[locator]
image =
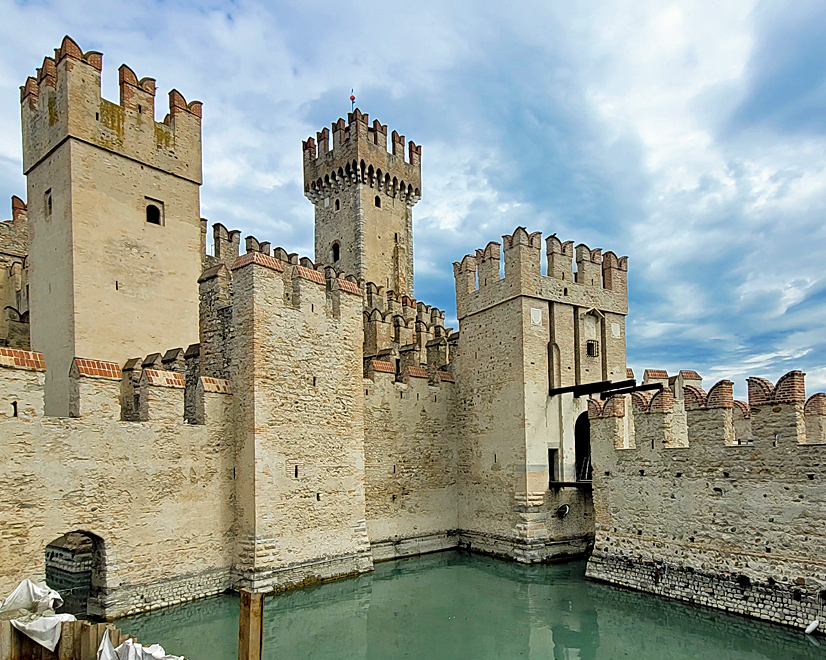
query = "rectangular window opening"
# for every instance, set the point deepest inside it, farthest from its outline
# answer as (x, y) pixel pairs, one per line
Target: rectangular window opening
(592, 348)
(553, 464)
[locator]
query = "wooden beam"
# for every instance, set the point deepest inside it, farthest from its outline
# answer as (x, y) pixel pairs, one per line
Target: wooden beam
(251, 626)
(629, 390)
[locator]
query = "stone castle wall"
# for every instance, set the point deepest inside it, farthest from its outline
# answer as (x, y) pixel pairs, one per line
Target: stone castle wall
(410, 463)
(93, 170)
(14, 298)
(687, 509)
(326, 419)
(523, 333)
(297, 373)
(363, 195)
(157, 494)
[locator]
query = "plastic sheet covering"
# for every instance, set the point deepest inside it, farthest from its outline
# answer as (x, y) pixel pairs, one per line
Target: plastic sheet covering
(131, 650)
(30, 607)
(35, 597)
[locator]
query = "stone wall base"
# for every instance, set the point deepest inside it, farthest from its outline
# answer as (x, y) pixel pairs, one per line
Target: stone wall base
(782, 603)
(132, 599)
(414, 545)
(304, 573)
(526, 551)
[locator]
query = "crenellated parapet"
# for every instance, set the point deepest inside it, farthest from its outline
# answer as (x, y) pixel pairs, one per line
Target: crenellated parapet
(482, 280)
(777, 412)
(777, 416)
(14, 233)
(730, 512)
(226, 244)
(358, 154)
(64, 101)
(22, 375)
(89, 471)
(404, 330)
(14, 277)
(157, 388)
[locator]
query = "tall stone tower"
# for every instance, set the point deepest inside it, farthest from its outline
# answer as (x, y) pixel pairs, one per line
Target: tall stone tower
(364, 197)
(114, 217)
(523, 336)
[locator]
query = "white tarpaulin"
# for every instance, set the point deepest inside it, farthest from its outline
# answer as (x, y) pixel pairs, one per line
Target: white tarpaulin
(45, 630)
(131, 650)
(35, 603)
(36, 597)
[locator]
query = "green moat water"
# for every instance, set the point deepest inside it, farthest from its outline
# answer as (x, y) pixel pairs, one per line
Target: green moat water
(452, 606)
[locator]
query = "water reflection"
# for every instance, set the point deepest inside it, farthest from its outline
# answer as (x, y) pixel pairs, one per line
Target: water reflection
(453, 606)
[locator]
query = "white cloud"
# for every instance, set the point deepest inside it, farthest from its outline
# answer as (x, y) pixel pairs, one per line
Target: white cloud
(611, 123)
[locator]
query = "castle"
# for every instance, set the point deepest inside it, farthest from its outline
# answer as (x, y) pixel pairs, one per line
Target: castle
(175, 423)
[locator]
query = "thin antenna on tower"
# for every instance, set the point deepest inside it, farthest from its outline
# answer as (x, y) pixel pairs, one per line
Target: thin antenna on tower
(352, 100)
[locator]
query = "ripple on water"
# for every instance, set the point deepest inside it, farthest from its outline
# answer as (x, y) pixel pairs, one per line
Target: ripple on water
(452, 606)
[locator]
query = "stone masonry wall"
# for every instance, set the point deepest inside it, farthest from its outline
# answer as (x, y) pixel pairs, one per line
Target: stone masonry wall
(14, 247)
(375, 187)
(297, 376)
(410, 465)
(522, 334)
(703, 519)
(156, 495)
(98, 262)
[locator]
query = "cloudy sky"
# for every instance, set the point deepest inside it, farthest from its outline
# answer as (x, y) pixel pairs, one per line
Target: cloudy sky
(690, 136)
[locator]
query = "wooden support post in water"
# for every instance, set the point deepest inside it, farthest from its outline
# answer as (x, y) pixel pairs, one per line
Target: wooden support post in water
(251, 626)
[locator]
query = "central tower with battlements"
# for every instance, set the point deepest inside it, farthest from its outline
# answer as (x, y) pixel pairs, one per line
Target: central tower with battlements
(364, 196)
(114, 216)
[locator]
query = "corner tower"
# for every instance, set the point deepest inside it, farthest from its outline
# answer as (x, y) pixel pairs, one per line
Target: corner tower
(522, 337)
(364, 196)
(114, 216)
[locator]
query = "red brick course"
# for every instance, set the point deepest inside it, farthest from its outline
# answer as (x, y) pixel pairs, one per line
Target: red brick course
(98, 368)
(19, 359)
(655, 373)
(215, 385)
(816, 405)
(164, 378)
(791, 388)
(380, 365)
(721, 395)
(260, 259)
(310, 274)
(446, 376)
(349, 287)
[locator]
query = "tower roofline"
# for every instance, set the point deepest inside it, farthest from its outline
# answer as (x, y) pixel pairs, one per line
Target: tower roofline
(359, 151)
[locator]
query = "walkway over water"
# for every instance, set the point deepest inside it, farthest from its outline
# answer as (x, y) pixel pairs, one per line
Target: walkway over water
(452, 606)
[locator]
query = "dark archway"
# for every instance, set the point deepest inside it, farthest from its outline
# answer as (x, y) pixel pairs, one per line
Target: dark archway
(76, 569)
(582, 448)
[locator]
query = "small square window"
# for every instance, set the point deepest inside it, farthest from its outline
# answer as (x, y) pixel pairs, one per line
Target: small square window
(154, 212)
(592, 348)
